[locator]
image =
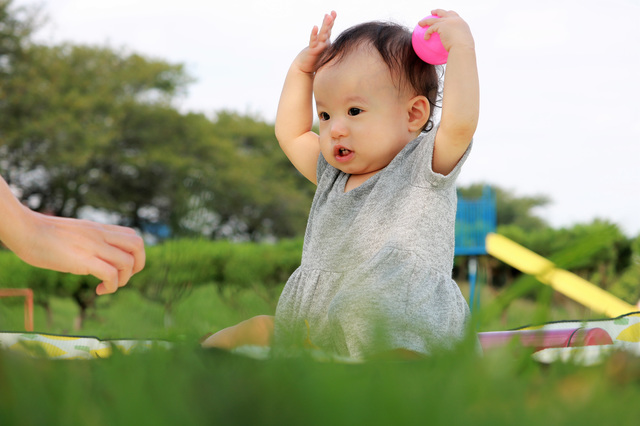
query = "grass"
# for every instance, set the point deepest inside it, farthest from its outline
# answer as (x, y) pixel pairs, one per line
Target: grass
(190, 386)
(126, 314)
(208, 308)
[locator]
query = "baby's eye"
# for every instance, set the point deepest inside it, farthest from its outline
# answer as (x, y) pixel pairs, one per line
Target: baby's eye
(323, 116)
(354, 111)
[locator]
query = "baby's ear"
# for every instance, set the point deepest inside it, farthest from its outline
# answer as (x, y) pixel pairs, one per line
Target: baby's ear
(418, 109)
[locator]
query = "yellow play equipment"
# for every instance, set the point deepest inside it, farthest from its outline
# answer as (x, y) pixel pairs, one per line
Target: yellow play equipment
(545, 271)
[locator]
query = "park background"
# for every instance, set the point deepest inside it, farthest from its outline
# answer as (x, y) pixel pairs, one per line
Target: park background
(101, 123)
(115, 129)
(558, 79)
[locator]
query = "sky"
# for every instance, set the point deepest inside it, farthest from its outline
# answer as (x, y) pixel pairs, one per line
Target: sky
(559, 79)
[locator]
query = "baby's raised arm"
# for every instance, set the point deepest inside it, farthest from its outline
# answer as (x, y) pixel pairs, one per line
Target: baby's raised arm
(460, 101)
(294, 119)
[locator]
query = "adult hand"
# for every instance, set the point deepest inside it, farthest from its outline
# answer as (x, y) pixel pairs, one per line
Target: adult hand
(110, 253)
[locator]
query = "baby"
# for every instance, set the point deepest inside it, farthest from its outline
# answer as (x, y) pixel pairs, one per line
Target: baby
(378, 251)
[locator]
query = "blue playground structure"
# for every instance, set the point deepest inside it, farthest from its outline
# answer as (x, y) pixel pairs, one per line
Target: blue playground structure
(475, 218)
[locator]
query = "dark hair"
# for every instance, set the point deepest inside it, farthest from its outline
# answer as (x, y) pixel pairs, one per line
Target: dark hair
(393, 42)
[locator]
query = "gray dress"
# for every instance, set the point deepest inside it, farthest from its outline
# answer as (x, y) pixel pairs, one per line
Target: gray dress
(377, 261)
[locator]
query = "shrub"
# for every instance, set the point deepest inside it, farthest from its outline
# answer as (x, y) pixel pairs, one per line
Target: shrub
(197, 261)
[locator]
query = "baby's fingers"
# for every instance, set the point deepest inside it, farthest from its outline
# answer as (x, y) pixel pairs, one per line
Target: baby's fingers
(327, 25)
(434, 28)
(427, 21)
(324, 33)
(314, 36)
(438, 14)
(444, 13)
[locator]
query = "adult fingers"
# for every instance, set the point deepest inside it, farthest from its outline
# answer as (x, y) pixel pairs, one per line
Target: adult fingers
(105, 272)
(118, 228)
(122, 260)
(131, 244)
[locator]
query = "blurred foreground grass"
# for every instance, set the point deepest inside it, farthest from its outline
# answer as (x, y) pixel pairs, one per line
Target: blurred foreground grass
(190, 386)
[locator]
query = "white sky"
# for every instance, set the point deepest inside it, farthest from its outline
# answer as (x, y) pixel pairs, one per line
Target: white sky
(560, 90)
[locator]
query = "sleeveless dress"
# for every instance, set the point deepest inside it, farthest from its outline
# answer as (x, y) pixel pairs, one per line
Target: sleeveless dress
(377, 262)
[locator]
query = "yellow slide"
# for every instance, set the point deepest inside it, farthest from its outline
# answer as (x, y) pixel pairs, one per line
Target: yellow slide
(567, 283)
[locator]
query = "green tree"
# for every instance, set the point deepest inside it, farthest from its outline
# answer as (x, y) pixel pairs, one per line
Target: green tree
(258, 192)
(90, 126)
(149, 169)
(62, 117)
(16, 27)
(627, 286)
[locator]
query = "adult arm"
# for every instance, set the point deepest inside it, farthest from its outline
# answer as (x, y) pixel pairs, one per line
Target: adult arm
(110, 253)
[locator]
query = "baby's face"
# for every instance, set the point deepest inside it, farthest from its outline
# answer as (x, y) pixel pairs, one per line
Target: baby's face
(363, 114)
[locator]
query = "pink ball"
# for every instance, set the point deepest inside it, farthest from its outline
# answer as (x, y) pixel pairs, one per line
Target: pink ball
(431, 51)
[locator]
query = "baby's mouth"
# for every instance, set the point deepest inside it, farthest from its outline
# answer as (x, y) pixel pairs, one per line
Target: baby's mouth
(343, 152)
(340, 151)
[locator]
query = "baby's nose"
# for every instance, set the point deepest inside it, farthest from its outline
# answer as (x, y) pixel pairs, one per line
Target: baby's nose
(338, 129)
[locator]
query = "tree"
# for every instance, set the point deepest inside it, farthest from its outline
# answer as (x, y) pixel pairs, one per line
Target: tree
(146, 172)
(90, 126)
(62, 118)
(257, 193)
(16, 27)
(627, 286)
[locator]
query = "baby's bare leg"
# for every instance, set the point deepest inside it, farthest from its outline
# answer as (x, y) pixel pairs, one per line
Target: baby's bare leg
(254, 331)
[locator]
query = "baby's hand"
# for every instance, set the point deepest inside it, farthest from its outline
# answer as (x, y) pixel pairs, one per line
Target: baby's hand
(453, 30)
(318, 42)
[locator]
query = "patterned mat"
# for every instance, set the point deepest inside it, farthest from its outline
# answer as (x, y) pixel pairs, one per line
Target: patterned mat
(623, 330)
(71, 347)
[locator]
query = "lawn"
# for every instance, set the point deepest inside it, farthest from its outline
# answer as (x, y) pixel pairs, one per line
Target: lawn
(187, 385)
